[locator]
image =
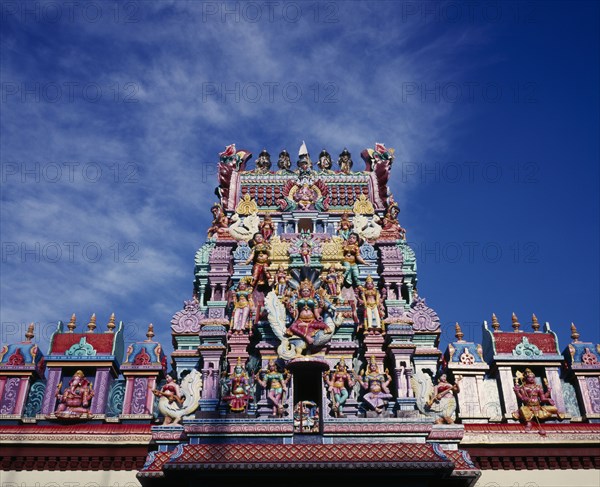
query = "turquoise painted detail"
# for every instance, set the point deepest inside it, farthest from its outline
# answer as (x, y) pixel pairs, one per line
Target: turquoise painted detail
(81, 349)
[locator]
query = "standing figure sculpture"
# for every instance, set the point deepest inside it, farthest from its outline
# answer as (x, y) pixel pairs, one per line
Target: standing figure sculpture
(260, 257)
(275, 384)
(267, 227)
(305, 253)
(345, 227)
(238, 389)
(352, 257)
(377, 386)
(339, 381)
(75, 400)
(536, 403)
(243, 306)
(333, 280)
(307, 316)
(370, 298)
(442, 402)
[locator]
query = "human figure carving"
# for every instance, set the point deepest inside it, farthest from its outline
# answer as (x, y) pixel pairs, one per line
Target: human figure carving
(339, 381)
(275, 383)
(442, 402)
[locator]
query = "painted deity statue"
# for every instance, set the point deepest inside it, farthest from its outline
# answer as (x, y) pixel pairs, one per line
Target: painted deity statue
(333, 281)
(345, 226)
(339, 381)
(307, 316)
(275, 383)
(75, 400)
(325, 163)
(280, 283)
(345, 162)
(177, 401)
(267, 227)
(284, 163)
(377, 386)
(171, 391)
(305, 253)
(442, 402)
(238, 389)
(390, 221)
(263, 163)
(370, 298)
(352, 257)
(220, 221)
(536, 403)
(243, 306)
(260, 257)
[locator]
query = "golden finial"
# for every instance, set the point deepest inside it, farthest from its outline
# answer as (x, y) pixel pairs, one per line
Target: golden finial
(29, 333)
(495, 323)
(150, 332)
(535, 323)
(515, 323)
(71, 326)
(459, 334)
(111, 324)
(574, 333)
(92, 324)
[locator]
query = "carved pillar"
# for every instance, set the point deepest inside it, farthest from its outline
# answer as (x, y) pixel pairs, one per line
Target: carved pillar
(509, 398)
(101, 389)
(49, 403)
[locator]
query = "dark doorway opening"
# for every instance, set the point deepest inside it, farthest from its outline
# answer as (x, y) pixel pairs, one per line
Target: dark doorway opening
(308, 393)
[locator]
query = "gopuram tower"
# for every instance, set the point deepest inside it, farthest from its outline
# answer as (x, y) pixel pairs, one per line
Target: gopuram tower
(306, 324)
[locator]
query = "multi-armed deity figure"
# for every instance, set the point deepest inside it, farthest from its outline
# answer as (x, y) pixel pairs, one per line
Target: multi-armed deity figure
(243, 306)
(339, 381)
(307, 306)
(238, 389)
(275, 383)
(377, 386)
(370, 298)
(535, 402)
(442, 402)
(75, 400)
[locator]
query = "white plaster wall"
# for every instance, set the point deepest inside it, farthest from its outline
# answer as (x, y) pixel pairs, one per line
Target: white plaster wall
(539, 478)
(88, 478)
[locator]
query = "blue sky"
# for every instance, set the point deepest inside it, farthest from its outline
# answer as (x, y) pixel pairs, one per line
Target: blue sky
(113, 115)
